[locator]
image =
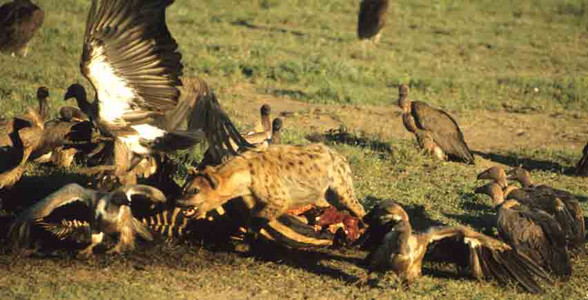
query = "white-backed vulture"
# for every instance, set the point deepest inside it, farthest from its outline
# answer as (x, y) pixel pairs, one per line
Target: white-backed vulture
(402, 251)
(19, 21)
(133, 64)
(562, 204)
(110, 213)
(436, 131)
(531, 231)
(371, 19)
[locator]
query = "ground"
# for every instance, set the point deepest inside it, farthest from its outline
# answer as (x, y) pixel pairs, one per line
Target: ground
(511, 73)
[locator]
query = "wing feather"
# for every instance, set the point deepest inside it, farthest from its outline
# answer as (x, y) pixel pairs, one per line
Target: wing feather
(444, 129)
(21, 227)
(493, 259)
(130, 58)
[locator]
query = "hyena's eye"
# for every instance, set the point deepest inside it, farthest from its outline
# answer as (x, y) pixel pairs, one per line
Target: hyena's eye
(193, 191)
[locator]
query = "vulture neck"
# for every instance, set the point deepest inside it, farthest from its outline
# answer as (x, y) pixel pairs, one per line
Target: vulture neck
(83, 103)
(404, 103)
(43, 108)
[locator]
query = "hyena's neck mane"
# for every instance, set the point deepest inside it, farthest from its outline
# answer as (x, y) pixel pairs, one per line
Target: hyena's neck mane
(235, 177)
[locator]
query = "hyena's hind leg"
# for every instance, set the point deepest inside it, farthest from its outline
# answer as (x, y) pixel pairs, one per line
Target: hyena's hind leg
(340, 192)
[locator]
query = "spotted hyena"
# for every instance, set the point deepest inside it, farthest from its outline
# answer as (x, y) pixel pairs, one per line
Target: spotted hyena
(275, 180)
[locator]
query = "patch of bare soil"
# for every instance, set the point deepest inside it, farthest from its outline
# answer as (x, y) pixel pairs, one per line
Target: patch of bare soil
(484, 130)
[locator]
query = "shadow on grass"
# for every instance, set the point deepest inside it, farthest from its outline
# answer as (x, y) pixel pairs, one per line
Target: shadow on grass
(527, 163)
(342, 136)
(249, 25)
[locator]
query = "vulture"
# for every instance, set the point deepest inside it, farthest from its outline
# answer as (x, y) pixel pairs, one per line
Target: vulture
(582, 165)
(8, 126)
(436, 131)
(402, 251)
(371, 19)
(531, 231)
(277, 124)
(19, 21)
(270, 134)
(134, 67)
(14, 156)
(110, 213)
(561, 204)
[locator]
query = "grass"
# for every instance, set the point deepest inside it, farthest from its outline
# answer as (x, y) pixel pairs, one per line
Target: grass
(465, 56)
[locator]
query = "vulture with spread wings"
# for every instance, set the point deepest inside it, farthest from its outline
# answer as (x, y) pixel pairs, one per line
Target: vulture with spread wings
(436, 131)
(133, 64)
(19, 21)
(403, 251)
(110, 213)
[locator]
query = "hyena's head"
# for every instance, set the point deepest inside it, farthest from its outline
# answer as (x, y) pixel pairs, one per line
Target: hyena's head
(201, 193)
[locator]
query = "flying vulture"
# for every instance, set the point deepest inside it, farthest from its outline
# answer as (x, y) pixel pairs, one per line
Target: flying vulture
(133, 65)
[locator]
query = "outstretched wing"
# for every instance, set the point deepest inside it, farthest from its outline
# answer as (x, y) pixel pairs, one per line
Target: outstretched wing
(131, 59)
(490, 258)
(444, 129)
(208, 117)
(372, 17)
(21, 227)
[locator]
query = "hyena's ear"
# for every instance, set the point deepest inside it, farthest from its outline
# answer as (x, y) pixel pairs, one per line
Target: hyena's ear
(210, 175)
(192, 171)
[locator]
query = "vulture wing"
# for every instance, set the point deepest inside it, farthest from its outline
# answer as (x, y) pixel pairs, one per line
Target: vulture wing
(444, 129)
(21, 227)
(131, 60)
(223, 138)
(490, 258)
(372, 18)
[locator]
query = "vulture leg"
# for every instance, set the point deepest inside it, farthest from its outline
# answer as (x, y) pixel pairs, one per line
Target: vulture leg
(96, 240)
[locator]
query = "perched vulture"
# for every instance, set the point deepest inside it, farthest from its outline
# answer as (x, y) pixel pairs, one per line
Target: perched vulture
(531, 231)
(277, 124)
(110, 213)
(436, 131)
(561, 204)
(371, 19)
(14, 155)
(403, 251)
(8, 126)
(133, 64)
(582, 165)
(19, 20)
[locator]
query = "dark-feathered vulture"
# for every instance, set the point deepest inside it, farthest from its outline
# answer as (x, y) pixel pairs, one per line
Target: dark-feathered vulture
(559, 203)
(436, 131)
(582, 165)
(133, 64)
(531, 231)
(371, 19)
(110, 213)
(19, 20)
(403, 251)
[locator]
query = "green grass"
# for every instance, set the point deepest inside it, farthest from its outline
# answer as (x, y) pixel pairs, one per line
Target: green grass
(465, 56)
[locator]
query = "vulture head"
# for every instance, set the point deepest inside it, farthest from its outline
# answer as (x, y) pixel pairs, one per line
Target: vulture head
(42, 95)
(494, 191)
(384, 212)
(496, 174)
(521, 175)
(78, 92)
